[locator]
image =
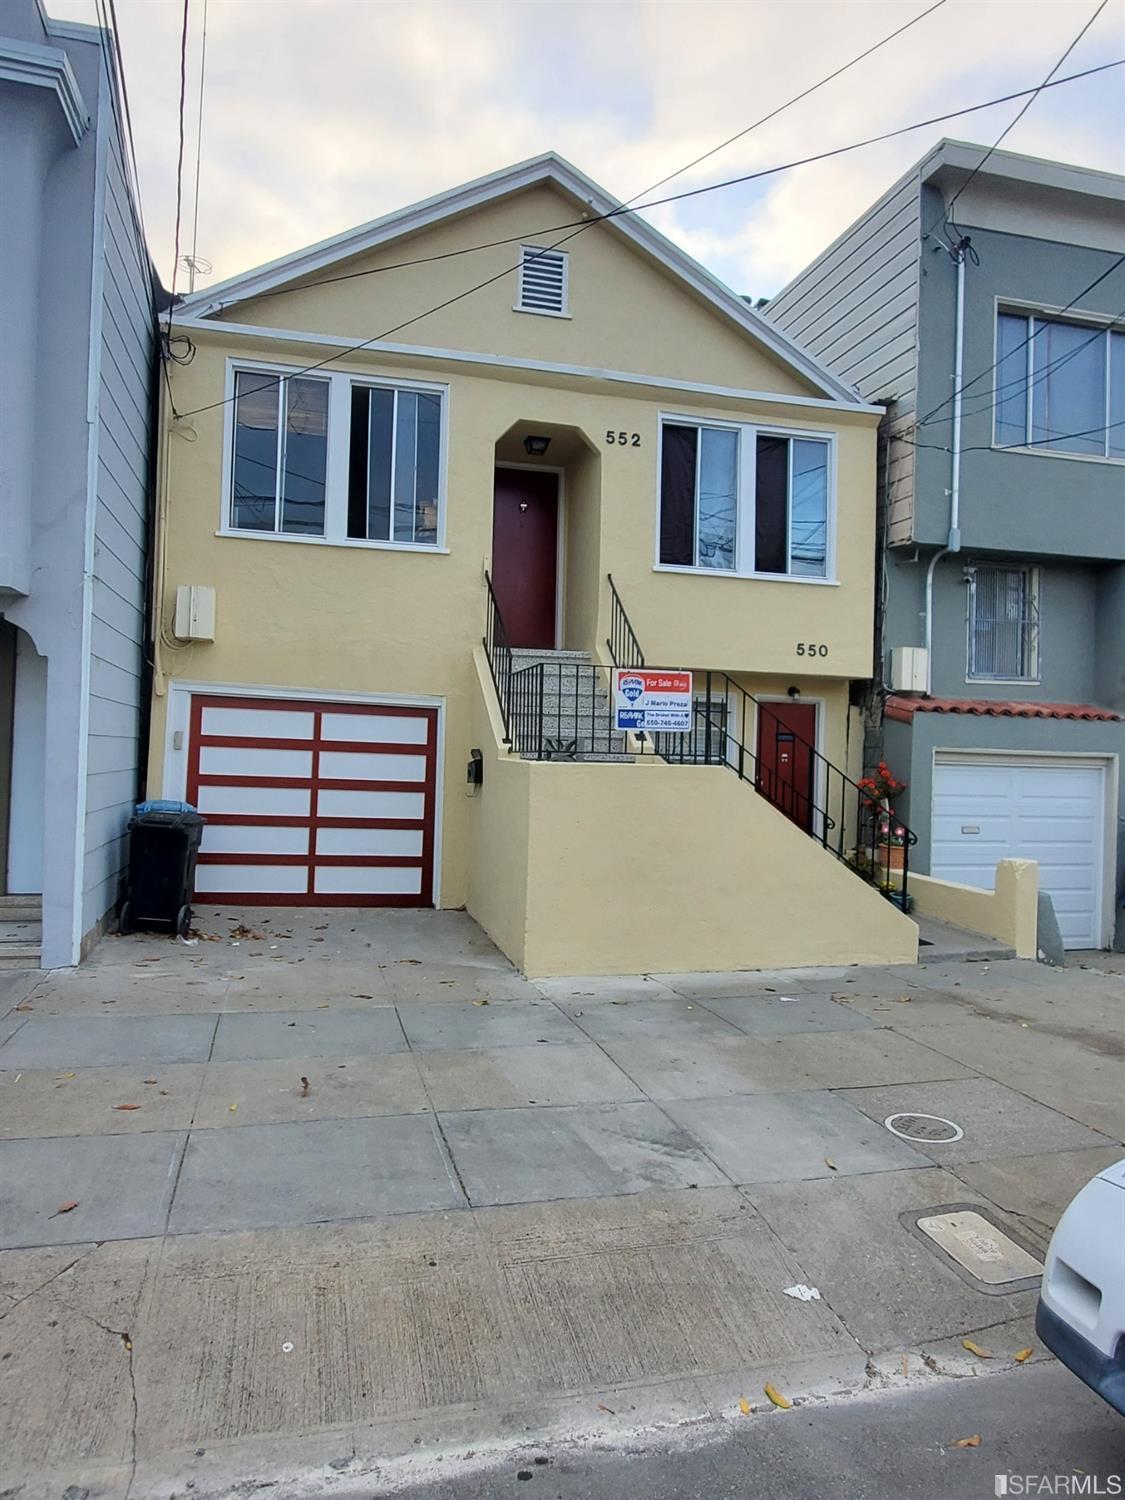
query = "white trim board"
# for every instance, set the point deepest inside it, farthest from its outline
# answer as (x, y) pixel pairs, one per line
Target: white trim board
(591, 201)
(47, 67)
(197, 324)
(178, 721)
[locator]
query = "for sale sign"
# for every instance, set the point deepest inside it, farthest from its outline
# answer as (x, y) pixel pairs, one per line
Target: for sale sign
(645, 700)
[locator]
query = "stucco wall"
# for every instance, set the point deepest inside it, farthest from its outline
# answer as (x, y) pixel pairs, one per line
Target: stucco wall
(614, 869)
(316, 616)
(1009, 913)
(626, 312)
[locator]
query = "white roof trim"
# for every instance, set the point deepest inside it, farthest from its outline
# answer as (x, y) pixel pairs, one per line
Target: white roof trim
(47, 67)
(509, 362)
(547, 168)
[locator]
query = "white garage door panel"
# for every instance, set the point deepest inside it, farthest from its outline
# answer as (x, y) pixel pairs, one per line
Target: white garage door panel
(985, 811)
(309, 804)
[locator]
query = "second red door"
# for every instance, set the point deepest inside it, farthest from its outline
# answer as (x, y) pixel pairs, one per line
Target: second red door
(786, 736)
(525, 554)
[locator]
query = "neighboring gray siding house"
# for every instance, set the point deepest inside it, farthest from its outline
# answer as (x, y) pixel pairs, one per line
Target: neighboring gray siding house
(76, 369)
(1000, 650)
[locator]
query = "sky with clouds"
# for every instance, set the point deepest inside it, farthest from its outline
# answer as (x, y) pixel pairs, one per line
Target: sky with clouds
(322, 114)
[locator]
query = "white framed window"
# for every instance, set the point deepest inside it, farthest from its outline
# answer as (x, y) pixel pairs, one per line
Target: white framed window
(1003, 624)
(394, 468)
(1060, 386)
(745, 500)
(280, 453)
(335, 457)
(544, 277)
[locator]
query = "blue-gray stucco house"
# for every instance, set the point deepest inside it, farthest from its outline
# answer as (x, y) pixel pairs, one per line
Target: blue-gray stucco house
(76, 372)
(982, 298)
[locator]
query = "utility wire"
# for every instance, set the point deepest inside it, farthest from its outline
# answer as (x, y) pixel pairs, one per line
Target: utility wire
(1040, 325)
(198, 152)
(1054, 439)
(633, 207)
(179, 161)
(1023, 109)
(578, 226)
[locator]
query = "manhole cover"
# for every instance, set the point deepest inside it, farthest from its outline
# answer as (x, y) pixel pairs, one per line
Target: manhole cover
(929, 1129)
(985, 1251)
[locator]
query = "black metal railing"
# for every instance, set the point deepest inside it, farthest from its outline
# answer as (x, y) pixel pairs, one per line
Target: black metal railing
(624, 648)
(499, 653)
(559, 709)
(802, 783)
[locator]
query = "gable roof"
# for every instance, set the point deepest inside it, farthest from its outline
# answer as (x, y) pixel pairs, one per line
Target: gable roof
(552, 170)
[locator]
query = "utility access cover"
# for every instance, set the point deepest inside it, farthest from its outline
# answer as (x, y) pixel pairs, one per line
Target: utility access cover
(985, 1251)
(929, 1129)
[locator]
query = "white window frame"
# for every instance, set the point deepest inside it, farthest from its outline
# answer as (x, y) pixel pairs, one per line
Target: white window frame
(543, 312)
(340, 383)
(1076, 318)
(745, 537)
(1034, 593)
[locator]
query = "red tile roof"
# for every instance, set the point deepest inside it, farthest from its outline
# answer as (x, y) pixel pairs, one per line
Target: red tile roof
(904, 709)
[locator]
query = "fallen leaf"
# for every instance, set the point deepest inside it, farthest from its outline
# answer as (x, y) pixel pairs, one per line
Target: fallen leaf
(480, 1002)
(1023, 1356)
(607, 1408)
(976, 1349)
(906, 1367)
(830, 1164)
(969, 1442)
(59, 1077)
(233, 1107)
(24, 1007)
(127, 1341)
(149, 1080)
(776, 1396)
(165, 1091)
(744, 1406)
(126, 1106)
(363, 997)
(66, 1208)
(324, 1005)
(304, 1087)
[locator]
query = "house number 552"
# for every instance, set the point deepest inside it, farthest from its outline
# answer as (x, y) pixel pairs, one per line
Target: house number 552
(807, 648)
(625, 439)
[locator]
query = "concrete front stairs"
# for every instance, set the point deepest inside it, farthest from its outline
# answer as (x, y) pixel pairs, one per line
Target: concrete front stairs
(563, 712)
(21, 931)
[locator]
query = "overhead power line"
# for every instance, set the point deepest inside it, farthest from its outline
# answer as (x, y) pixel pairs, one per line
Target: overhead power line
(633, 207)
(578, 226)
(179, 159)
(1023, 109)
(1041, 324)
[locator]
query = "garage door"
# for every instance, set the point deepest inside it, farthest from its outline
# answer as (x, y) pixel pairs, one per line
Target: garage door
(313, 804)
(990, 809)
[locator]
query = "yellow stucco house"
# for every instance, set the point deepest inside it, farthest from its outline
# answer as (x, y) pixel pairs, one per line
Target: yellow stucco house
(423, 487)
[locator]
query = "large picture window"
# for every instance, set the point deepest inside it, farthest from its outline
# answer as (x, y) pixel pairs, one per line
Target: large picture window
(336, 459)
(1060, 386)
(740, 500)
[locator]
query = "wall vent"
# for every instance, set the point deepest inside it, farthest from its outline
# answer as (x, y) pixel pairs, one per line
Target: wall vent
(542, 281)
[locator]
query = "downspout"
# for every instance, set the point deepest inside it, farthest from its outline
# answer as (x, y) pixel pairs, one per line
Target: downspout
(958, 252)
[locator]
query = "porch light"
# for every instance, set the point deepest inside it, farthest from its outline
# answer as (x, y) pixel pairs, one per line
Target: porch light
(536, 446)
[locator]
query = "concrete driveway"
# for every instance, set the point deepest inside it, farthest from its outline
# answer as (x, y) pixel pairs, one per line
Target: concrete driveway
(322, 1194)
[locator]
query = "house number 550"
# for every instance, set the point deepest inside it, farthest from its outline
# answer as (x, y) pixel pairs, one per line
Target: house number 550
(805, 648)
(625, 439)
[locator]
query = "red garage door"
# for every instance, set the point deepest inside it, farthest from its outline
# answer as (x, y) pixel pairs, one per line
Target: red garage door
(314, 804)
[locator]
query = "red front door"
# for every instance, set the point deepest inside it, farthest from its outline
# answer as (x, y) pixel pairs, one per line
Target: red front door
(786, 737)
(525, 554)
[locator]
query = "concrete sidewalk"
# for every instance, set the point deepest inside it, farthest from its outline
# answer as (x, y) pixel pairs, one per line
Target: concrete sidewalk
(378, 1197)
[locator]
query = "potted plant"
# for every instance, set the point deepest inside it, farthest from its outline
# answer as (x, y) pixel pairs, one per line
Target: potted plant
(890, 835)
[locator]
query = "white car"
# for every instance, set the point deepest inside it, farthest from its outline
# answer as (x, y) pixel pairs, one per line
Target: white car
(1081, 1312)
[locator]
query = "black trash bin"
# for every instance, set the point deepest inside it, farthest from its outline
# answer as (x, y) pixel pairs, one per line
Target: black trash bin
(163, 843)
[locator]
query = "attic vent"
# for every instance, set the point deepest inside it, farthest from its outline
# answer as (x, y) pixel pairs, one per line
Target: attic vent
(543, 278)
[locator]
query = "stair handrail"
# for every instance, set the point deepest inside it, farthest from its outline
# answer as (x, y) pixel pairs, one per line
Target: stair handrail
(877, 828)
(622, 643)
(498, 650)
